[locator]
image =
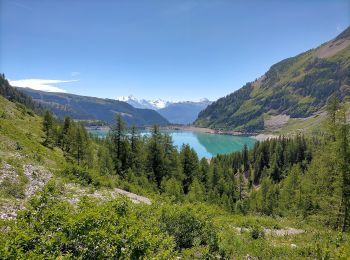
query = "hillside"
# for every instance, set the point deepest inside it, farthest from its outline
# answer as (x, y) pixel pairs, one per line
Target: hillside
(296, 87)
(62, 198)
(92, 108)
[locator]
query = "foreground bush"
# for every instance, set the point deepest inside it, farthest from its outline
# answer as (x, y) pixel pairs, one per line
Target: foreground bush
(53, 228)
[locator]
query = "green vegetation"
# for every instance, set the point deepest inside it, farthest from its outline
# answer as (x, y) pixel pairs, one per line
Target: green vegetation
(298, 87)
(14, 95)
(91, 109)
(285, 198)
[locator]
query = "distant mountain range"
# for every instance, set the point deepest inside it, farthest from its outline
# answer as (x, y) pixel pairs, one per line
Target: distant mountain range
(92, 108)
(143, 103)
(183, 112)
(296, 87)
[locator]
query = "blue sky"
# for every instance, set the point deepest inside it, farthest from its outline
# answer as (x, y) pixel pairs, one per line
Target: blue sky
(175, 50)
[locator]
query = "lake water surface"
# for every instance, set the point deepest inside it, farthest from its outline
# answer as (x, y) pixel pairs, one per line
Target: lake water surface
(205, 144)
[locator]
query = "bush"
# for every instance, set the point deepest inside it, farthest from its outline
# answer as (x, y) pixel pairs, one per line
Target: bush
(13, 188)
(52, 228)
(78, 174)
(188, 227)
(257, 232)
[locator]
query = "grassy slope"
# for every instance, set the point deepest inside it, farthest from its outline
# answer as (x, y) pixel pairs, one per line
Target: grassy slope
(20, 145)
(17, 126)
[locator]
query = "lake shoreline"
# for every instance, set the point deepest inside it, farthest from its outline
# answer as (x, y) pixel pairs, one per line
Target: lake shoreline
(205, 130)
(256, 136)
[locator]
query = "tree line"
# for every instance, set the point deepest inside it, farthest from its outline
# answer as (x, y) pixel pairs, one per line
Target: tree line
(280, 177)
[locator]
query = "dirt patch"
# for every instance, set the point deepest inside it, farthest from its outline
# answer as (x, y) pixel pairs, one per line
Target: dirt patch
(277, 121)
(284, 232)
(277, 232)
(263, 137)
(133, 197)
(76, 192)
(36, 178)
(332, 47)
(8, 172)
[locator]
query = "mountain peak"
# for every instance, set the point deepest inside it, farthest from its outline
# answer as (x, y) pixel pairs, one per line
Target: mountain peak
(159, 103)
(126, 98)
(344, 34)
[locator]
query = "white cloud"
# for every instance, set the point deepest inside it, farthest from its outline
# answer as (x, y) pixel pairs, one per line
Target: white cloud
(40, 84)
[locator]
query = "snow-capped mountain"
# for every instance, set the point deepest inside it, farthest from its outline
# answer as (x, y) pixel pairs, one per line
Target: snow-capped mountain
(184, 112)
(159, 103)
(143, 103)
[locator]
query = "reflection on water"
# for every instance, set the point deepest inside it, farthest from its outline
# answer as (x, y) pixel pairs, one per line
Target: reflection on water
(206, 145)
(223, 144)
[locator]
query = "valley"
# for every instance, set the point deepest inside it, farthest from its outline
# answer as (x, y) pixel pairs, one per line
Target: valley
(258, 171)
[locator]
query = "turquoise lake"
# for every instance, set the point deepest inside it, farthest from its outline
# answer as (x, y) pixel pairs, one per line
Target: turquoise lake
(206, 145)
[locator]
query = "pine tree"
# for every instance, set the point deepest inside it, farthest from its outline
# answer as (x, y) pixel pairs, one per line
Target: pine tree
(245, 158)
(80, 144)
(196, 191)
(48, 129)
(189, 161)
(105, 162)
(173, 188)
(275, 171)
(156, 157)
(241, 186)
(204, 172)
(118, 136)
(332, 107)
(64, 137)
(344, 169)
(290, 193)
(136, 157)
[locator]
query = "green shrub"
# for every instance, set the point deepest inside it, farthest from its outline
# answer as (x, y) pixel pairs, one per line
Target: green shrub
(78, 174)
(52, 228)
(188, 227)
(257, 232)
(13, 188)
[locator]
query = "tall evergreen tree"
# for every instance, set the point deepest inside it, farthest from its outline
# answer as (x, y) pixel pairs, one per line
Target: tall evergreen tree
(64, 137)
(189, 161)
(245, 158)
(118, 135)
(156, 157)
(48, 127)
(344, 169)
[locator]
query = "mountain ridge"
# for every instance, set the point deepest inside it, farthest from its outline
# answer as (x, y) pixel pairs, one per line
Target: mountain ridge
(92, 108)
(297, 87)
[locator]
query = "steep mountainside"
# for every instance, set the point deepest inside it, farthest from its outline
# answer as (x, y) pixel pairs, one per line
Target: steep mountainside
(91, 108)
(183, 112)
(297, 87)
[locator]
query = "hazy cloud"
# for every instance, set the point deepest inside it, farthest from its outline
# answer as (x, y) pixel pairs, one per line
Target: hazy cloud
(75, 73)
(40, 84)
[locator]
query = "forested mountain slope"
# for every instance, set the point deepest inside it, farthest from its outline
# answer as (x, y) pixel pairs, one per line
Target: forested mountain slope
(296, 87)
(285, 198)
(92, 108)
